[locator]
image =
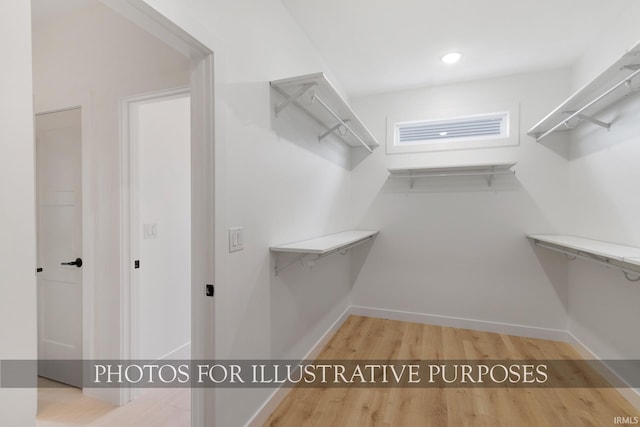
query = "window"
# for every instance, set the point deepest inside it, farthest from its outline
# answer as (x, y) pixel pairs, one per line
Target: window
(454, 133)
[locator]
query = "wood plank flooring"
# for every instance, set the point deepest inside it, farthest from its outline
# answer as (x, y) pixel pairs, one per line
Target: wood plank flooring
(369, 338)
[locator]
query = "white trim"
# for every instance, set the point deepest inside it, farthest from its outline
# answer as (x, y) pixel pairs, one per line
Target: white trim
(504, 129)
(130, 222)
(631, 394)
(462, 323)
(462, 111)
(278, 395)
(202, 188)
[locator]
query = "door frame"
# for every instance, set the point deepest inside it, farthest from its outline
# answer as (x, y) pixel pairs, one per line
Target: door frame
(130, 230)
(88, 242)
(202, 199)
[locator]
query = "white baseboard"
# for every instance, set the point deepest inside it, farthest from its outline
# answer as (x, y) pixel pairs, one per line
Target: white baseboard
(455, 322)
(462, 323)
(278, 395)
(631, 394)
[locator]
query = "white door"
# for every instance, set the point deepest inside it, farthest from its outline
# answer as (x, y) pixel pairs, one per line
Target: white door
(164, 228)
(59, 207)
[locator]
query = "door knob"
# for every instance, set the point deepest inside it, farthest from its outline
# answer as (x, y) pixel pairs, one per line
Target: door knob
(77, 262)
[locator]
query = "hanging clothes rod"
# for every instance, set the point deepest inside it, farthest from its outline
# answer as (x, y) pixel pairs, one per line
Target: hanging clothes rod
(564, 122)
(604, 261)
(342, 250)
(342, 122)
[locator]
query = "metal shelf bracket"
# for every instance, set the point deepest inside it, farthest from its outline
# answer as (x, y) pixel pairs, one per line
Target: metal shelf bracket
(601, 260)
(343, 250)
(333, 129)
(293, 98)
(588, 119)
(341, 123)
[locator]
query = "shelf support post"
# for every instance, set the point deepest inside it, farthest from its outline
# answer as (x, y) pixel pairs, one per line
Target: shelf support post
(291, 99)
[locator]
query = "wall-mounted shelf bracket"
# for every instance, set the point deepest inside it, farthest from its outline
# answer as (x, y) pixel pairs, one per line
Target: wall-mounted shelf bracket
(310, 251)
(614, 84)
(318, 99)
(310, 260)
(333, 129)
(489, 171)
(608, 255)
(590, 119)
(290, 99)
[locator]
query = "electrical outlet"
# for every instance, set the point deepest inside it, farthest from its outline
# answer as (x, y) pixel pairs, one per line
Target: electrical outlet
(236, 239)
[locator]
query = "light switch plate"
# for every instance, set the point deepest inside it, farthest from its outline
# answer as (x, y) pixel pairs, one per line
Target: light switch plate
(150, 231)
(236, 239)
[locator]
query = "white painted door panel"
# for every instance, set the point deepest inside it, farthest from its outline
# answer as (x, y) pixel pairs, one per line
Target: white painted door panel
(59, 205)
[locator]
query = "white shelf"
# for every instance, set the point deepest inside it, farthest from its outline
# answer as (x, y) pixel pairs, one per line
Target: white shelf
(608, 88)
(325, 244)
(622, 257)
(488, 170)
(634, 261)
(322, 246)
(316, 96)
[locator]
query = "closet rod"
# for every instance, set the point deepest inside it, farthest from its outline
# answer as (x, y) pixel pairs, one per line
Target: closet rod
(576, 113)
(342, 249)
(342, 122)
(592, 258)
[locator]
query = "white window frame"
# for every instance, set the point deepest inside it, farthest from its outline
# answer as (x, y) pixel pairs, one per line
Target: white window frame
(509, 137)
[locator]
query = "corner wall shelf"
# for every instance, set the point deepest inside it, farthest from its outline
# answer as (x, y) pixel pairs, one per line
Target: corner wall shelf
(484, 169)
(316, 96)
(321, 247)
(610, 255)
(608, 88)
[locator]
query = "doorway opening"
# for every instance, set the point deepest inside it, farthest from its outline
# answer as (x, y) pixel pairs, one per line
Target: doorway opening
(106, 289)
(157, 154)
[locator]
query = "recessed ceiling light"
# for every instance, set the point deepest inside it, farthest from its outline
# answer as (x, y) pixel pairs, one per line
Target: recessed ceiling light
(451, 58)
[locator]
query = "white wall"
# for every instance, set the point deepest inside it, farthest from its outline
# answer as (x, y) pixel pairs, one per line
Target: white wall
(608, 46)
(273, 178)
(17, 214)
(603, 177)
(453, 246)
(164, 153)
(94, 58)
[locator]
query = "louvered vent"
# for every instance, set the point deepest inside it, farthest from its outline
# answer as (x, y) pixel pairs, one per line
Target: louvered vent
(478, 127)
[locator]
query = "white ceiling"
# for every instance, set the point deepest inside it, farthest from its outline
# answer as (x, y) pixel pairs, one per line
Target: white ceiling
(382, 45)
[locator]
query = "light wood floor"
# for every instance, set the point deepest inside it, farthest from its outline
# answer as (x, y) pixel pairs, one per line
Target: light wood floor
(368, 338)
(66, 406)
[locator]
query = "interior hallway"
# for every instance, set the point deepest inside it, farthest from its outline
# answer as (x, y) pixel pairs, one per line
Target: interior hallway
(66, 406)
